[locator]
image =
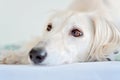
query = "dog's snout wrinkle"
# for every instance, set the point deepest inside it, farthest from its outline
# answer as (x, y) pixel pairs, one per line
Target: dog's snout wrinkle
(37, 55)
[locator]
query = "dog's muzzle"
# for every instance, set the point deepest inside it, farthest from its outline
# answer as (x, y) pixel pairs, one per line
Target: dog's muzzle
(37, 55)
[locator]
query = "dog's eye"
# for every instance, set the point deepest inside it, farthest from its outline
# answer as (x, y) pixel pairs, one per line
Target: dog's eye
(76, 33)
(49, 27)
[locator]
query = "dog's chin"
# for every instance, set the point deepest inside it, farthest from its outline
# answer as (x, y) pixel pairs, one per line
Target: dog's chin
(49, 64)
(43, 64)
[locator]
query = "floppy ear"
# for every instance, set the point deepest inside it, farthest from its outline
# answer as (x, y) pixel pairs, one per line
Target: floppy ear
(106, 38)
(85, 5)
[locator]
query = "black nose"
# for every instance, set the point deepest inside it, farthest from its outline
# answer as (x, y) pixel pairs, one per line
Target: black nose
(37, 55)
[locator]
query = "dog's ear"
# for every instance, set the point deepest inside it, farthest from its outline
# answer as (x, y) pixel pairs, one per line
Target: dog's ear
(106, 38)
(85, 5)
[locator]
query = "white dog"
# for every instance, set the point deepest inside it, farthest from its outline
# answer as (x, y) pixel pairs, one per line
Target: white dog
(85, 31)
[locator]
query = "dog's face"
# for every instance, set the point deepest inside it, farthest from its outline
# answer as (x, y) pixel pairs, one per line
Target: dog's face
(66, 39)
(70, 37)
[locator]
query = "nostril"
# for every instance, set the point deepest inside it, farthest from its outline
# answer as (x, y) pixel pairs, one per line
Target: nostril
(41, 57)
(38, 57)
(31, 57)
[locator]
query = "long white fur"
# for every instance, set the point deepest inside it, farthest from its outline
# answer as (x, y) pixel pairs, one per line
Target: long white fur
(103, 36)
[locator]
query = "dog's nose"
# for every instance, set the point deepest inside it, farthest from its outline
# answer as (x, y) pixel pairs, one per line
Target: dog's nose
(37, 55)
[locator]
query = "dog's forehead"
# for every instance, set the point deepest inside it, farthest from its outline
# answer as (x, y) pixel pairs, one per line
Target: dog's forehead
(80, 19)
(73, 18)
(61, 17)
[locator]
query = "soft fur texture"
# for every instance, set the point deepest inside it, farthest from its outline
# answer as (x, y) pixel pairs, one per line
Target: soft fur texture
(94, 18)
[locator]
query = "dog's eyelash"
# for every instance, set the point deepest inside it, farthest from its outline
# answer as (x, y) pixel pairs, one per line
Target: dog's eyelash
(49, 27)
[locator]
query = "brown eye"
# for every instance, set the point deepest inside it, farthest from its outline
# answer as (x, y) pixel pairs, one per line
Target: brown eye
(49, 27)
(76, 33)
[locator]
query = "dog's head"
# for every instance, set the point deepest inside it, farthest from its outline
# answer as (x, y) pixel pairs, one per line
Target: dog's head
(70, 37)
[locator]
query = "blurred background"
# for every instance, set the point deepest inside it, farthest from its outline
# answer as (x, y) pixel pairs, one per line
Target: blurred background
(21, 20)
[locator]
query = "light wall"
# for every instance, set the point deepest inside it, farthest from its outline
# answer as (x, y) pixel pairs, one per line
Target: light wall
(22, 19)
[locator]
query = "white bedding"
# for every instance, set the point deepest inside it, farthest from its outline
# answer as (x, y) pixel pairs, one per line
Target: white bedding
(78, 71)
